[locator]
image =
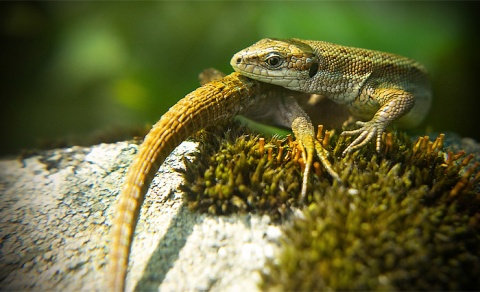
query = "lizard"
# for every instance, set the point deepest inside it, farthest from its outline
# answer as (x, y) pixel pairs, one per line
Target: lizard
(270, 74)
(379, 86)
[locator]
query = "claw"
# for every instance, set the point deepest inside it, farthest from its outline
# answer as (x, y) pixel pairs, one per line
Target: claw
(322, 155)
(366, 133)
(307, 155)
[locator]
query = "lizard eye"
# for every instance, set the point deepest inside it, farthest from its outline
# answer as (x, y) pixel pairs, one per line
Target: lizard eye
(273, 61)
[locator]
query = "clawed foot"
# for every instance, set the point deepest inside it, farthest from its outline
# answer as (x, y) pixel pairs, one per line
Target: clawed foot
(367, 132)
(310, 147)
(322, 154)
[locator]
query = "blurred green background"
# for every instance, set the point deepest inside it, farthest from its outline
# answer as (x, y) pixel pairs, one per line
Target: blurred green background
(71, 71)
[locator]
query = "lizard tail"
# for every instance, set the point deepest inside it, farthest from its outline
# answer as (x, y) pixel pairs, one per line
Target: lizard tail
(215, 101)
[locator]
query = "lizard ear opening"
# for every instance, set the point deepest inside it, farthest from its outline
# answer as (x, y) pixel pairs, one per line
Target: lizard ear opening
(313, 69)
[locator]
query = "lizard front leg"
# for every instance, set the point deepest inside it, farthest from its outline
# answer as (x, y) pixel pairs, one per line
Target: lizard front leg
(279, 107)
(302, 128)
(394, 104)
(304, 133)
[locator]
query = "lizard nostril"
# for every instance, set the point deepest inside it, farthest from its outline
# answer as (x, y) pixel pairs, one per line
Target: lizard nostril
(239, 60)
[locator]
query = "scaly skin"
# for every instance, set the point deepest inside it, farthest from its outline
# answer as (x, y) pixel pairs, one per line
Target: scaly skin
(374, 85)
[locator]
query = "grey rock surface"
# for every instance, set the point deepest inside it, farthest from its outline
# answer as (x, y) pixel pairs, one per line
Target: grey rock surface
(56, 210)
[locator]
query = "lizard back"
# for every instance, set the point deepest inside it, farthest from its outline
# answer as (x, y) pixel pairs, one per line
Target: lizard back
(356, 71)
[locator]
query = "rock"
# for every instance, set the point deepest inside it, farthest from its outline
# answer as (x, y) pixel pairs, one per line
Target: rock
(56, 211)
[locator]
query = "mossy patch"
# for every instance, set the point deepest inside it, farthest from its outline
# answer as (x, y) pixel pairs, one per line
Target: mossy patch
(407, 218)
(232, 175)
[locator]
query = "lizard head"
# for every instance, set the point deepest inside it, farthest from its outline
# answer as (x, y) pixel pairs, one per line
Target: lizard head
(287, 63)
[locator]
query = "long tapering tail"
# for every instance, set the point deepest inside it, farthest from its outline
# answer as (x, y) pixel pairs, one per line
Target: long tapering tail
(213, 102)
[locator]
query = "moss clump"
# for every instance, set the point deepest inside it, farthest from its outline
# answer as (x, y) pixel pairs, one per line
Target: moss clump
(407, 219)
(232, 174)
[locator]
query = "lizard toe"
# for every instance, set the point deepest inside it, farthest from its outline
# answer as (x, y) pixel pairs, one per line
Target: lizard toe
(367, 132)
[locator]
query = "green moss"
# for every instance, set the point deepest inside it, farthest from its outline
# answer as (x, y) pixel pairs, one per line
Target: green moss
(231, 175)
(406, 219)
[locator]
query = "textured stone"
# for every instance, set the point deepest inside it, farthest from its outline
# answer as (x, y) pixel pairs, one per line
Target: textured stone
(55, 213)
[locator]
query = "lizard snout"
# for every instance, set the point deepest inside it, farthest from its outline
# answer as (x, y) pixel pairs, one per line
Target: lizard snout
(236, 60)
